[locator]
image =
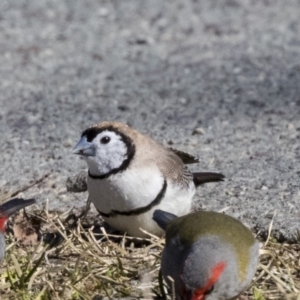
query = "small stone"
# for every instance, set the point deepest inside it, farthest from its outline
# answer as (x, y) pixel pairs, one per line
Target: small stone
(198, 130)
(67, 143)
(90, 93)
(103, 12)
(183, 100)
(77, 183)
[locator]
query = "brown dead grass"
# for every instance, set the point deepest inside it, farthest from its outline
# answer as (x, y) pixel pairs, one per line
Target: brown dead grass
(76, 260)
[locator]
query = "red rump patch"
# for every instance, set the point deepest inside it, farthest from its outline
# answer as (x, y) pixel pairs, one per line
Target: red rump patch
(3, 220)
(215, 274)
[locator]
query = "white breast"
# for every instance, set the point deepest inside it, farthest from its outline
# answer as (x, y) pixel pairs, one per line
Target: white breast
(130, 190)
(126, 190)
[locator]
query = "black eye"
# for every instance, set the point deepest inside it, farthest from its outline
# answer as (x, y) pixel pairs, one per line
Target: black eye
(105, 140)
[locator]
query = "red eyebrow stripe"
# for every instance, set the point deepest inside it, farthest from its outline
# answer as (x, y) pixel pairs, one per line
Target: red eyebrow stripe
(215, 274)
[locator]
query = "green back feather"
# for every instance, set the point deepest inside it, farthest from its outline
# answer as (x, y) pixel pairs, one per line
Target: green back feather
(191, 227)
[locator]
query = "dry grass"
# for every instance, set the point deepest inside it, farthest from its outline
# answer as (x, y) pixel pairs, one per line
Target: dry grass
(77, 260)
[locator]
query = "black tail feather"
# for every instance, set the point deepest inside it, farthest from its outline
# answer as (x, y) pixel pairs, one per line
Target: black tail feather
(162, 218)
(13, 205)
(204, 177)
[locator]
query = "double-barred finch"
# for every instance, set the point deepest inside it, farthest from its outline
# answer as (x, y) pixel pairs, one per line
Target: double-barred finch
(208, 255)
(130, 175)
(6, 210)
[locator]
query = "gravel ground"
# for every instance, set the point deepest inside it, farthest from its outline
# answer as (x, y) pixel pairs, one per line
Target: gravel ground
(219, 79)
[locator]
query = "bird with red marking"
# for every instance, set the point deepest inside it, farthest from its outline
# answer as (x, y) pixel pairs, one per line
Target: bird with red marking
(207, 255)
(6, 210)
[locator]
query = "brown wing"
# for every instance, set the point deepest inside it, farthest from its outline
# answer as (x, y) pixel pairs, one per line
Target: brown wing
(171, 165)
(198, 177)
(185, 157)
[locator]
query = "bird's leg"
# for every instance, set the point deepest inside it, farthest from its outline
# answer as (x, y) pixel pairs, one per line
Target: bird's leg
(87, 208)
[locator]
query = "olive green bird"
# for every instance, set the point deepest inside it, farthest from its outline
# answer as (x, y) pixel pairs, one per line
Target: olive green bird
(207, 255)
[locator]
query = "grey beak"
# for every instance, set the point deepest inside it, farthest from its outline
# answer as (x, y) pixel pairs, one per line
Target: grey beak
(84, 148)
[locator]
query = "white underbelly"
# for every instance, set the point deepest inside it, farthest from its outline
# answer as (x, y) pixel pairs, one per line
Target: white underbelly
(117, 193)
(125, 191)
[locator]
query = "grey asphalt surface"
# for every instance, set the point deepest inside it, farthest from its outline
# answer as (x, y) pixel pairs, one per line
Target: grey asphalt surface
(218, 79)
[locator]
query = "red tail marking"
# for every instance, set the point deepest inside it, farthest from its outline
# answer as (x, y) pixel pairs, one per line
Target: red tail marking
(3, 221)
